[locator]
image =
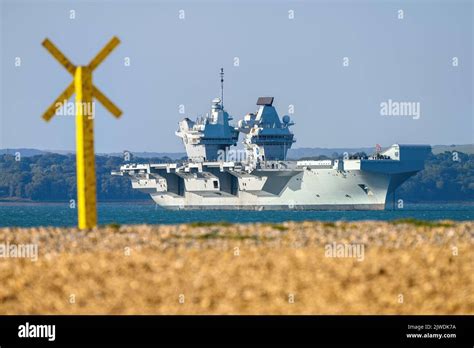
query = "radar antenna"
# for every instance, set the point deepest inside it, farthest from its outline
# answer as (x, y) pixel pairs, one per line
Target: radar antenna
(222, 87)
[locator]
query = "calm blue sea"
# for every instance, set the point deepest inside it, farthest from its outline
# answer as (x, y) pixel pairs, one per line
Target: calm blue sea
(59, 214)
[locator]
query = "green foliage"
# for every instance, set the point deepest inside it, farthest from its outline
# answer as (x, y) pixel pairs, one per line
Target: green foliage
(209, 224)
(278, 227)
(114, 226)
(422, 223)
(52, 177)
(443, 179)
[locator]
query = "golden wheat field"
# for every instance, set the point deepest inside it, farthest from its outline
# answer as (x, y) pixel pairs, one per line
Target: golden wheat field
(406, 267)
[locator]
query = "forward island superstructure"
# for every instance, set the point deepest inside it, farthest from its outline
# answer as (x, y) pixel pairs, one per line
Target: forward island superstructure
(217, 175)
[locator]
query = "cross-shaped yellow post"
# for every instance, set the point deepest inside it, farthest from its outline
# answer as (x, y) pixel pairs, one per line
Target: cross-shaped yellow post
(85, 92)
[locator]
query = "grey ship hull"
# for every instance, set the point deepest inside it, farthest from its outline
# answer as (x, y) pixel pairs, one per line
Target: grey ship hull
(353, 184)
(315, 207)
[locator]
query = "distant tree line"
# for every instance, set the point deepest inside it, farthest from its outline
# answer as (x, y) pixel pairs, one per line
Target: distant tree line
(52, 177)
(446, 177)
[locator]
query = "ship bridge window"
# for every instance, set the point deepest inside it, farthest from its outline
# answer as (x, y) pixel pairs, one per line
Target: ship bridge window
(216, 184)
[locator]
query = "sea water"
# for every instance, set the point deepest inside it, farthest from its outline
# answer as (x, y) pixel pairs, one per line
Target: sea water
(60, 214)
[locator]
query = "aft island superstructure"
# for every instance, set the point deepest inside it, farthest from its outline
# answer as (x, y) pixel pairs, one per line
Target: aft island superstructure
(260, 177)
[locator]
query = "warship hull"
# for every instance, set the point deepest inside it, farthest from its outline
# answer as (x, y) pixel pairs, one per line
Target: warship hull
(320, 207)
(263, 179)
(309, 190)
(353, 184)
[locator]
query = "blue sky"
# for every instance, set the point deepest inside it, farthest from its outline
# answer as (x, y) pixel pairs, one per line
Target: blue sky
(298, 61)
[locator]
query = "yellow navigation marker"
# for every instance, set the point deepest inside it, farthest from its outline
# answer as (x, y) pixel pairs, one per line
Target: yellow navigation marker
(85, 159)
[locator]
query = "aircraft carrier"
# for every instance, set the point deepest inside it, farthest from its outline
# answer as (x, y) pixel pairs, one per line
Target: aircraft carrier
(217, 175)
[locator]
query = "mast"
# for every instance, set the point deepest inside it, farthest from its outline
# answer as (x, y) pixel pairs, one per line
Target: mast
(222, 87)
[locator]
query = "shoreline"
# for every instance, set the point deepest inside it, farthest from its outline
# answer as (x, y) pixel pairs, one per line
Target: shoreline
(285, 268)
(36, 203)
(12, 202)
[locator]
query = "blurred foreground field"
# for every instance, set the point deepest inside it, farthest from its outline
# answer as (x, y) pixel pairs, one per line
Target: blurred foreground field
(408, 267)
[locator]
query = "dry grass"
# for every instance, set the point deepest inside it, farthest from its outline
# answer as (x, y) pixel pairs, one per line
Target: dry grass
(145, 269)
